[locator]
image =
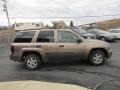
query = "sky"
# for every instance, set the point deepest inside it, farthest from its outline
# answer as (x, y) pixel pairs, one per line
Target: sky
(34, 10)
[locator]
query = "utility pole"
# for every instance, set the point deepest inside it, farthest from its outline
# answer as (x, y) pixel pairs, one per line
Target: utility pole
(6, 11)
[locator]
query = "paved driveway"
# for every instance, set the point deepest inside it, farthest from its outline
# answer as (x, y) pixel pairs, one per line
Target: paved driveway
(71, 73)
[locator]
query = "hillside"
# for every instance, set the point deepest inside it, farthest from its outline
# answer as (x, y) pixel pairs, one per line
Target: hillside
(105, 25)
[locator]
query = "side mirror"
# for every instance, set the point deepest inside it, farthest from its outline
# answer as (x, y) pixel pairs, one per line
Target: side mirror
(79, 40)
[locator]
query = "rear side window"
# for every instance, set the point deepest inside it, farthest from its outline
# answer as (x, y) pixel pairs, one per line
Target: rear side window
(46, 36)
(24, 37)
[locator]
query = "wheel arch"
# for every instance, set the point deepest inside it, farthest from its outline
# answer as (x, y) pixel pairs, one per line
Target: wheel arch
(33, 52)
(102, 49)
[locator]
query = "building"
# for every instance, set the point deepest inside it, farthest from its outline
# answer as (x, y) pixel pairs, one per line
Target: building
(28, 26)
(88, 26)
(59, 24)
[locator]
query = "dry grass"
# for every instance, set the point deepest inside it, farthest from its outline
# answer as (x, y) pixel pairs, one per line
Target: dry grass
(7, 31)
(6, 36)
(105, 25)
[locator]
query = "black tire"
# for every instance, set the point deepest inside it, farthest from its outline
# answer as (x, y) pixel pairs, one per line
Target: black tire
(99, 60)
(103, 38)
(32, 61)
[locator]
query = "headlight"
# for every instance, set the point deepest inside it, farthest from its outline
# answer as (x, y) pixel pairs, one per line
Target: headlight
(111, 37)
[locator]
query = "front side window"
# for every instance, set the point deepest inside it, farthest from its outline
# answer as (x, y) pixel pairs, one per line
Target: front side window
(17, 25)
(24, 37)
(46, 36)
(67, 37)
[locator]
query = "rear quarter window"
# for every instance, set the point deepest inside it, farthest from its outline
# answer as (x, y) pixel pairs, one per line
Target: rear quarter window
(24, 37)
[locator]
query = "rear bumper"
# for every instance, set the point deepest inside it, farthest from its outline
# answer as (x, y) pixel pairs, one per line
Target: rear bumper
(15, 58)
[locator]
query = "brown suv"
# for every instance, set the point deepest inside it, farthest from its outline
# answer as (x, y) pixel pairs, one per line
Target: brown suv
(40, 46)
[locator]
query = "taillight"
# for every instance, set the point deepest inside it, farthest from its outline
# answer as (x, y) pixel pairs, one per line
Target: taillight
(12, 49)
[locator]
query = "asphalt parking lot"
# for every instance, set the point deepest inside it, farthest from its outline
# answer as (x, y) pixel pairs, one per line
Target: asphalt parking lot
(70, 73)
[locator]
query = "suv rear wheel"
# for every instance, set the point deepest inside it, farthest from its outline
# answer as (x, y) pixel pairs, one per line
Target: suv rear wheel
(32, 61)
(97, 57)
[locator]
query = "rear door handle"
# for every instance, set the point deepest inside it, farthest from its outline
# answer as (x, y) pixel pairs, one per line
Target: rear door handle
(61, 45)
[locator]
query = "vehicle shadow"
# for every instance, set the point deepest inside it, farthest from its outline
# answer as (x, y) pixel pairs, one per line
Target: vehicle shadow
(56, 66)
(62, 64)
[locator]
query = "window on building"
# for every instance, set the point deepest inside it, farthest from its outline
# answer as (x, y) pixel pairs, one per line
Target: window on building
(37, 25)
(17, 25)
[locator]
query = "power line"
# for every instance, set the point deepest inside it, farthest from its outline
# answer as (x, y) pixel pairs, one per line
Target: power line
(69, 17)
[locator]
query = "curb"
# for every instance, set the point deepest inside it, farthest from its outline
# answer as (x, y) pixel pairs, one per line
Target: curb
(38, 85)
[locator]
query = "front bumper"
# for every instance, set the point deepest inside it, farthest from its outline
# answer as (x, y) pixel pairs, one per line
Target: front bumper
(112, 38)
(118, 37)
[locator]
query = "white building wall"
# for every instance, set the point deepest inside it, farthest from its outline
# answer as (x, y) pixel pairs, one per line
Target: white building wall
(27, 26)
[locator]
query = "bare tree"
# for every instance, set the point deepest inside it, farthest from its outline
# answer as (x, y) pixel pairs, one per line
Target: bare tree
(71, 24)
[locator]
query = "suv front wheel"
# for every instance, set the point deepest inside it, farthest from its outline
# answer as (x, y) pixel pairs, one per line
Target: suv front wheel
(97, 57)
(32, 61)
(103, 38)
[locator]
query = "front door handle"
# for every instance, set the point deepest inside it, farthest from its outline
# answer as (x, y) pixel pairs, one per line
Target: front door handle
(61, 45)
